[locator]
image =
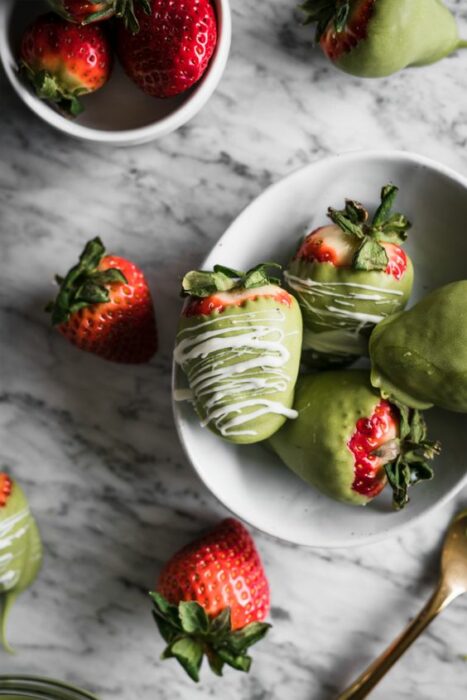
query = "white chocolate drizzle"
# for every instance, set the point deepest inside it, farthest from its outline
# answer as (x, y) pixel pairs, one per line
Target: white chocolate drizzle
(224, 379)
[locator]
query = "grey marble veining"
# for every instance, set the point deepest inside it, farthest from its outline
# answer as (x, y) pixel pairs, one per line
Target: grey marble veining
(94, 445)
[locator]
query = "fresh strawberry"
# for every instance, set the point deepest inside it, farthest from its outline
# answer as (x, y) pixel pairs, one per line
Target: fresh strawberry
(85, 12)
(238, 344)
(332, 244)
(173, 47)
(64, 61)
(5, 488)
(348, 276)
(212, 598)
(104, 306)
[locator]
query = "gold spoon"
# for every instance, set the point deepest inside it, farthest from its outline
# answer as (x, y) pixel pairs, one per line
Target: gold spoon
(452, 583)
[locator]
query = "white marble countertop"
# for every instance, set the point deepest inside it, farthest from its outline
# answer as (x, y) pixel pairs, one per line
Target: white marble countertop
(94, 445)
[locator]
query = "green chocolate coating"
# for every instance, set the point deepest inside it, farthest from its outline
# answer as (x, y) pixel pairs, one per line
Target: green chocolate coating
(339, 311)
(420, 356)
(402, 33)
(20, 553)
(315, 445)
(287, 320)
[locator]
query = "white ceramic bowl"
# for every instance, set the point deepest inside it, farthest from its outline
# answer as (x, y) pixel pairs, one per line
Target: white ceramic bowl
(249, 480)
(120, 113)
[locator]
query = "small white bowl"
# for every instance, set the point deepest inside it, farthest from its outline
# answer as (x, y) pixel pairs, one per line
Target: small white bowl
(251, 481)
(120, 113)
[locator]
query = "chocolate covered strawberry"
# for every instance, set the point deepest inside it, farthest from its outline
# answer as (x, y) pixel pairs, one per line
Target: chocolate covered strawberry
(349, 276)
(420, 356)
(86, 12)
(104, 306)
(238, 344)
(375, 38)
(173, 47)
(20, 548)
(212, 599)
(348, 442)
(64, 61)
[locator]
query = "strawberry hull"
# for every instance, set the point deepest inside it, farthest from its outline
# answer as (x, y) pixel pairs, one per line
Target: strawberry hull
(341, 306)
(241, 364)
(316, 445)
(420, 356)
(399, 33)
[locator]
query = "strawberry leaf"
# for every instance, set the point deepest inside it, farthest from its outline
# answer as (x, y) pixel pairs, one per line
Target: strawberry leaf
(189, 654)
(346, 222)
(85, 284)
(203, 283)
(415, 453)
(325, 12)
(190, 632)
(193, 618)
(370, 256)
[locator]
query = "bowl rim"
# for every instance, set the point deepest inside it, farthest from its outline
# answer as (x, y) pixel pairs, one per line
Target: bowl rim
(346, 158)
(124, 137)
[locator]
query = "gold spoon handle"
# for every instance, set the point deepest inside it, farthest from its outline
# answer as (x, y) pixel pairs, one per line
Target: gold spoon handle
(443, 596)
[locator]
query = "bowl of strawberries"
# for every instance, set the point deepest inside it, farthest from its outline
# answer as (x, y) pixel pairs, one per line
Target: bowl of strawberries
(335, 376)
(113, 71)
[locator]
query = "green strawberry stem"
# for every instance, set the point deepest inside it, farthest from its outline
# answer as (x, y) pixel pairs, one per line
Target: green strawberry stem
(85, 284)
(322, 12)
(203, 283)
(126, 11)
(385, 226)
(191, 634)
(410, 455)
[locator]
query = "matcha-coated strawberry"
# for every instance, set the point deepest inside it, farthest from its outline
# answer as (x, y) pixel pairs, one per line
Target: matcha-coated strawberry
(20, 548)
(349, 276)
(348, 442)
(420, 356)
(375, 38)
(212, 598)
(238, 343)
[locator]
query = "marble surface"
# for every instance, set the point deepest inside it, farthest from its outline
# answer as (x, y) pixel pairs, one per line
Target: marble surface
(94, 445)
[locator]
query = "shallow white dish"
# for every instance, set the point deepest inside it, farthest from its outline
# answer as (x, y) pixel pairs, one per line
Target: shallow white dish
(249, 480)
(120, 113)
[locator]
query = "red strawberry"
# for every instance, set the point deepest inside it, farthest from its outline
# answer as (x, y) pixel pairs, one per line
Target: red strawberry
(333, 245)
(212, 598)
(5, 488)
(85, 12)
(104, 306)
(173, 47)
(355, 28)
(219, 301)
(64, 61)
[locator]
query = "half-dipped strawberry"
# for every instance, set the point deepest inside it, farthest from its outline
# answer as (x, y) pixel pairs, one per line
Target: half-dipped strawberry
(212, 599)
(64, 61)
(173, 47)
(104, 306)
(20, 548)
(347, 277)
(239, 344)
(375, 38)
(87, 12)
(347, 441)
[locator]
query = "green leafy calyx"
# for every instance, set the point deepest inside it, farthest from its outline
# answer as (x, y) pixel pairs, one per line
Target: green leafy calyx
(191, 634)
(386, 226)
(325, 13)
(413, 453)
(47, 87)
(124, 9)
(85, 284)
(202, 283)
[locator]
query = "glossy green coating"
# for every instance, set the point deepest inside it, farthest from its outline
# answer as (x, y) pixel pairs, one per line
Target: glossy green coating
(341, 305)
(402, 33)
(314, 445)
(420, 356)
(20, 553)
(34, 688)
(236, 384)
